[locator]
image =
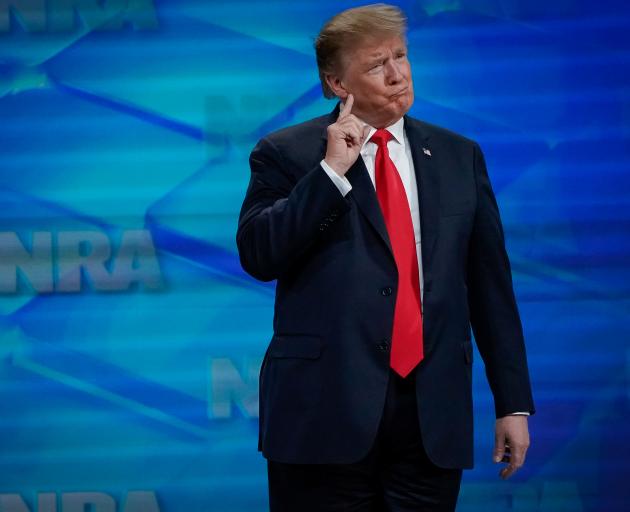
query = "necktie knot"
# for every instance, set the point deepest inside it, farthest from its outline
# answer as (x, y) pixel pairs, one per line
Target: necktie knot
(381, 137)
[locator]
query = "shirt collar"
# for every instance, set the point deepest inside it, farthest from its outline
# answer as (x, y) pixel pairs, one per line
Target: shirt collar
(397, 130)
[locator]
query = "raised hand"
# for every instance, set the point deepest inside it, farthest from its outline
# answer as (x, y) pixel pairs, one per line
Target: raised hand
(345, 139)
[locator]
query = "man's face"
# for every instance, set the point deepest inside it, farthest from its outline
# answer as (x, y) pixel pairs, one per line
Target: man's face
(378, 74)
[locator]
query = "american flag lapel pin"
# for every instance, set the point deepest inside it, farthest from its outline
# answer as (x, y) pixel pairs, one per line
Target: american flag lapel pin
(426, 151)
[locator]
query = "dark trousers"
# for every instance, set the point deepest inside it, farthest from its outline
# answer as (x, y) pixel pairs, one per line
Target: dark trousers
(395, 476)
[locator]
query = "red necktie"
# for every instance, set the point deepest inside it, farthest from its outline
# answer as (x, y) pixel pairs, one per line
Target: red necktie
(407, 348)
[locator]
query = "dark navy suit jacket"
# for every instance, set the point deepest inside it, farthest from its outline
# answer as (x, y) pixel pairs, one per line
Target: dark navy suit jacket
(324, 376)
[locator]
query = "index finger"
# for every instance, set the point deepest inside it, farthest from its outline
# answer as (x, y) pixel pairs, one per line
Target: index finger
(518, 455)
(347, 107)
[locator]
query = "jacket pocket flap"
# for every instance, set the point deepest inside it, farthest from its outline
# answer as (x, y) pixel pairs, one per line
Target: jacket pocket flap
(305, 347)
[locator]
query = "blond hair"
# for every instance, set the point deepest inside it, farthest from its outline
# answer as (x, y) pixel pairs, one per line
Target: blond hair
(349, 29)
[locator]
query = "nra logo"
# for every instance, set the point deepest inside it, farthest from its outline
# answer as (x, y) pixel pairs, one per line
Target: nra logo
(71, 261)
(36, 16)
(134, 501)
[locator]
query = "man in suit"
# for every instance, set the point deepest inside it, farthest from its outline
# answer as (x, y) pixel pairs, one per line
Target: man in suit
(384, 236)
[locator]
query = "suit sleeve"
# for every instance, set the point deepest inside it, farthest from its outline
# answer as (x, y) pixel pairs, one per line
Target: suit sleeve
(494, 315)
(282, 216)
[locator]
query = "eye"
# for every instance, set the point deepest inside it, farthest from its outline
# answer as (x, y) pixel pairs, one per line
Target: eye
(376, 66)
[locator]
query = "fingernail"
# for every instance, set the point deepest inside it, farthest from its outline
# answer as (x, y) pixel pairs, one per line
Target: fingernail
(497, 458)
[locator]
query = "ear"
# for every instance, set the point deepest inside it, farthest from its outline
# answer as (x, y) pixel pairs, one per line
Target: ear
(336, 86)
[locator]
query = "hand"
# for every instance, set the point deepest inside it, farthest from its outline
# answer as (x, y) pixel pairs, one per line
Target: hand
(511, 440)
(345, 139)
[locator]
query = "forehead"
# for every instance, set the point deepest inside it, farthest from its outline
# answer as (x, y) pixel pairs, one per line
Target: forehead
(375, 47)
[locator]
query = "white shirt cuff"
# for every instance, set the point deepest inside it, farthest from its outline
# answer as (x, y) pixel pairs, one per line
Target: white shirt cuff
(518, 414)
(341, 182)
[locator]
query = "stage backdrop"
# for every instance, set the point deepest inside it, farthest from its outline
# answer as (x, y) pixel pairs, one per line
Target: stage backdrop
(130, 340)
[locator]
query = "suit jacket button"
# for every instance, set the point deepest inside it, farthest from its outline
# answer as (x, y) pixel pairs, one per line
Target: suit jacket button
(383, 346)
(387, 291)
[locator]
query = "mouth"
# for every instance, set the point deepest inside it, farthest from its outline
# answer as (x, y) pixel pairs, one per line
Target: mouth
(399, 93)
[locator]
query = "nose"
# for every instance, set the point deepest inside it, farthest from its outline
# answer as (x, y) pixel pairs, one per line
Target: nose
(394, 73)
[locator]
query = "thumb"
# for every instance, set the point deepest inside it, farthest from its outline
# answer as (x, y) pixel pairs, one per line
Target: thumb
(499, 448)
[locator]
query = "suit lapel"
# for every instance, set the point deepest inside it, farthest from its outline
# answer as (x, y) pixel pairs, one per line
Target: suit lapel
(364, 194)
(427, 180)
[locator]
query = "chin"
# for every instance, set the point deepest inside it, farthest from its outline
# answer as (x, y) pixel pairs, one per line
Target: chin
(400, 109)
(388, 114)
(407, 103)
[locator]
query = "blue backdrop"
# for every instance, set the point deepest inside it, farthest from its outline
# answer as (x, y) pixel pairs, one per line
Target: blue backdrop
(130, 340)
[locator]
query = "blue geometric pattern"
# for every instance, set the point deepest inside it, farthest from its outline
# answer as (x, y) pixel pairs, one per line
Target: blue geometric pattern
(140, 116)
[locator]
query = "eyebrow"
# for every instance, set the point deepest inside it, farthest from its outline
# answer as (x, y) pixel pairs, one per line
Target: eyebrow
(373, 61)
(378, 56)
